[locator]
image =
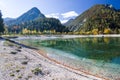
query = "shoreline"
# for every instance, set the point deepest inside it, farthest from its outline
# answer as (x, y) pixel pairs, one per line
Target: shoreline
(48, 37)
(58, 62)
(109, 35)
(35, 58)
(72, 69)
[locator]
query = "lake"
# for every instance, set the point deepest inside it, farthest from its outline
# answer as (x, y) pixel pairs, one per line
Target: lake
(98, 56)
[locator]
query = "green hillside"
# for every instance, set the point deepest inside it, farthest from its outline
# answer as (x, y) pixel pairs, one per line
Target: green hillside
(99, 19)
(33, 21)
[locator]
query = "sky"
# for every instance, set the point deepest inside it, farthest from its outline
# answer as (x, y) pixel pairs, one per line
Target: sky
(60, 9)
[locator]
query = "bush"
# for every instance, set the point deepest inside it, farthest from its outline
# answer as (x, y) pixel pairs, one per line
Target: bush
(18, 50)
(12, 74)
(20, 77)
(37, 71)
(13, 53)
(95, 32)
(107, 31)
(17, 70)
(24, 62)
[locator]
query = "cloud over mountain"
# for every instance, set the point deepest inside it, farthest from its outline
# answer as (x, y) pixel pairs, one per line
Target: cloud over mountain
(53, 15)
(64, 21)
(69, 14)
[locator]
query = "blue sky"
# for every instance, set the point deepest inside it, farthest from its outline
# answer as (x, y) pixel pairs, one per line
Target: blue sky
(61, 9)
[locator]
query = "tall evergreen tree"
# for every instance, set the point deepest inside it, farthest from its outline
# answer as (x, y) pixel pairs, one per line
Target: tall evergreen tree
(1, 24)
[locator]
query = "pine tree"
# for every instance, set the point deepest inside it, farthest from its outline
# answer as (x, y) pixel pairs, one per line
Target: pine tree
(1, 24)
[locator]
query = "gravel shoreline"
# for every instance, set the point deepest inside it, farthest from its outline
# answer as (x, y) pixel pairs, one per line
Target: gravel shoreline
(18, 63)
(47, 37)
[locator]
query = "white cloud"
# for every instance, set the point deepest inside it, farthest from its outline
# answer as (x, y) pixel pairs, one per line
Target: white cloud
(53, 15)
(69, 14)
(63, 21)
(63, 17)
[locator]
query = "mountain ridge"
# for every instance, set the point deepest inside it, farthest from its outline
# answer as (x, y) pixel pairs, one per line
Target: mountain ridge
(96, 17)
(31, 14)
(8, 19)
(34, 20)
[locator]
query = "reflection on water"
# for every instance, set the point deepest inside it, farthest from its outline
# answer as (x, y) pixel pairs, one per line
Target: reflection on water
(107, 49)
(96, 55)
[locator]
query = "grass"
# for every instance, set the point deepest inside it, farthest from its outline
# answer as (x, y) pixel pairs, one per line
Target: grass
(36, 71)
(7, 43)
(11, 74)
(17, 70)
(19, 77)
(29, 76)
(18, 50)
(24, 62)
(13, 52)
(19, 47)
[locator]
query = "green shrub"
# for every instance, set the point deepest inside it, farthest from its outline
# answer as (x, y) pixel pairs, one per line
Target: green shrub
(24, 62)
(19, 76)
(11, 74)
(36, 71)
(17, 70)
(13, 53)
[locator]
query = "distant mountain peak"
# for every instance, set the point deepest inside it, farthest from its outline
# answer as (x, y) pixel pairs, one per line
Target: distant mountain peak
(69, 21)
(30, 15)
(8, 19)
(34, 9)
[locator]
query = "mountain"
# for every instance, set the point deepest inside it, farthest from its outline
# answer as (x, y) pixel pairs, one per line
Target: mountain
(34, 20)
(99, 17)
(44, 24)
(68, 22)
(32, 14)
(8, 19)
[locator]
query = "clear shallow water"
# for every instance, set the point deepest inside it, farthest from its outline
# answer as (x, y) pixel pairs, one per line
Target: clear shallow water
(96, 55)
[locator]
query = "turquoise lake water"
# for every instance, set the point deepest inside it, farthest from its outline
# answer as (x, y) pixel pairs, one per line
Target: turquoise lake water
(97, 55)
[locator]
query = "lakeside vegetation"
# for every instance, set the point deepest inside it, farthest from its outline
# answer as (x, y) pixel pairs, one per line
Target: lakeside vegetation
(99, 19)
(1, 24)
